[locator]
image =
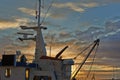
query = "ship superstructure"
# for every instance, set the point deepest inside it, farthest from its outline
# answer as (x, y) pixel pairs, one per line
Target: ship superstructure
(43, 67)
(47, 68)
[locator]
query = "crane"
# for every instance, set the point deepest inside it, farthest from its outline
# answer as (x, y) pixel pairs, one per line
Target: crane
(58, 55)
(96, 43)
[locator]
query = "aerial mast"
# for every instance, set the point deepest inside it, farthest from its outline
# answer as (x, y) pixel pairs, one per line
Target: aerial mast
(40, 45)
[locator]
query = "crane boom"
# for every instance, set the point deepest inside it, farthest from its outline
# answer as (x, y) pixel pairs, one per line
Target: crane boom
(96, 42)
(58, 55)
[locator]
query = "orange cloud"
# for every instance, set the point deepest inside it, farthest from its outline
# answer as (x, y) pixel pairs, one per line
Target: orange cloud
(8, 24)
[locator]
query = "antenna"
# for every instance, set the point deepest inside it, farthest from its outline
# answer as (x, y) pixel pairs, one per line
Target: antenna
(51, 42)
(39, 13)
(113, 74)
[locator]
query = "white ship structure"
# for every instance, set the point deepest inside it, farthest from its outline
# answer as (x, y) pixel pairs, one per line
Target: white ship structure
(43, 67)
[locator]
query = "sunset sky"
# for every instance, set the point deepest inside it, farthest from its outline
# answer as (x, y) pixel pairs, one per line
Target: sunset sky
(75, 23)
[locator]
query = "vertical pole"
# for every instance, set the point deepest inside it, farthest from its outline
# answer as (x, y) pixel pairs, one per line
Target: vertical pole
(39, 13)
(50, 50)
(40, 45)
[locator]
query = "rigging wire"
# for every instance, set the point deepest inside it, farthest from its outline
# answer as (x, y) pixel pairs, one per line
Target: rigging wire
(36, 12)
(80, 54)
(83, 51)
(92, 62)
(96, 42)
(47, 11)
(76, 68)
(43, 3)
(113, 74)
(93, 77)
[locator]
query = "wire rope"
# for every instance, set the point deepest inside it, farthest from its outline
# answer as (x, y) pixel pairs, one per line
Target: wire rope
(82, 51)
(47, 11)
(80, 54)
(92, 62)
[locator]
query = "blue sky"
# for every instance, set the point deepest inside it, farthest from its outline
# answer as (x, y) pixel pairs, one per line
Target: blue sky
(75, 23)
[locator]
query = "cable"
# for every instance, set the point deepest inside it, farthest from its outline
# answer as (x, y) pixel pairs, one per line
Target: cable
(36, 12)
(80, 54)
(82, 51)
(47, 11)
(96, 43)
(93, 77)
(92, 62)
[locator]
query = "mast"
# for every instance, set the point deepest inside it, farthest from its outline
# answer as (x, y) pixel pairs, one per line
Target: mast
(40, 45)
(40, 49)
(39, 13)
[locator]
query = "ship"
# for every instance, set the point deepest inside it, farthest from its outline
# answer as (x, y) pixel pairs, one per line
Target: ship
(43, 67)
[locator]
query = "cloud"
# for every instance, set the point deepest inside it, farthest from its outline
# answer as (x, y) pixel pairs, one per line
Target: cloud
(69, 5)
(112, 26)
(25, 21)
(99, 71)
(89, 35)
(5, 41)
(57, 42)
(10, 44)
(6, 38)
(8, 24)
(50, 24)
(31, 12)
(111, 1)
(15, 22)
(64, 35)
(78, 7)
(109, 48)
(80, 39)
(28, 11)
(74, 6)
(8, 31)
(90, 5)
(101, 2)
(55, 14)
(58, 15)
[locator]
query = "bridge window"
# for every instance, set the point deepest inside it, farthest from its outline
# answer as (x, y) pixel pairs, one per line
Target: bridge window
(27, 74)
(8, 72)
